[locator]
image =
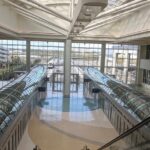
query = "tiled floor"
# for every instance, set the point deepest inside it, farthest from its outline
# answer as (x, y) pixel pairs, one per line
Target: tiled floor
(67, 124)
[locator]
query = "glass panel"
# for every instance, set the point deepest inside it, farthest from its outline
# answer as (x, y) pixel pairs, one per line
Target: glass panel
(133, 102)
(12, 60)
(121, 62)
(85, 55)
(12, 97)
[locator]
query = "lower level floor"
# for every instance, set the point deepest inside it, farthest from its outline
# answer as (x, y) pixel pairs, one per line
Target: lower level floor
(67, 123)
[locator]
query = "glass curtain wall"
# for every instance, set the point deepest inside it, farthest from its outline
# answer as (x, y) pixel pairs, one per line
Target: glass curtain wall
(146, 77)
(121, 62)
(83, 55)
(86, 55)
(146, 73)
(12, 59)
(45, 52)
(51, 54)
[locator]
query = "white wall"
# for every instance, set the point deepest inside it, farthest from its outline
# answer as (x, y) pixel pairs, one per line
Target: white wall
(27, 26)
(145, 64)
(8, 17)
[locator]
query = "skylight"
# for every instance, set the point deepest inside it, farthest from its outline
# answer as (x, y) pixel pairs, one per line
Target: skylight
(114, 3)
(54, 2)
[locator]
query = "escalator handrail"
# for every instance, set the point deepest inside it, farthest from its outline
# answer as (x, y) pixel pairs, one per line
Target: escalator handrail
(126, 133)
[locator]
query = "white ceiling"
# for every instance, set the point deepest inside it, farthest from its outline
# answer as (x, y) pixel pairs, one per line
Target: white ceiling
(77, 19)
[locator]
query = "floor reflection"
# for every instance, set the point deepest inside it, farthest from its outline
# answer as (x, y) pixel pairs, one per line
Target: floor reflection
(76, 117)
(76, 102)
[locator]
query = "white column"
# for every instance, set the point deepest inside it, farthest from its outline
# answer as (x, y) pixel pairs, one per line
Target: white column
(28, 55)
(67, 68)
(71, 8)
(103, 55)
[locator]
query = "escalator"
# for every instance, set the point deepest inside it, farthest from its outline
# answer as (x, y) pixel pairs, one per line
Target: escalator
(127, 110)
(136, 138)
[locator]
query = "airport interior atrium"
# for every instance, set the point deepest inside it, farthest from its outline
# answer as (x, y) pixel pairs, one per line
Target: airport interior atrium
(74, 74)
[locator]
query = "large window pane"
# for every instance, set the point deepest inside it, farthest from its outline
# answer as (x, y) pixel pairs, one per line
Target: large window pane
(121, 61)
(12, 59)
(86, 55)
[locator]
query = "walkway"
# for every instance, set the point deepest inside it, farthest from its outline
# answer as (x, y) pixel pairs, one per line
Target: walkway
(68, 124)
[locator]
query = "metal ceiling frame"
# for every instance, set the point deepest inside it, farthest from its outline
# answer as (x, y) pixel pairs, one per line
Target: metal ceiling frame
(112, 18)
(34, 19)
(30, 7)
(120, 8)
(52, 12)
(39, 19)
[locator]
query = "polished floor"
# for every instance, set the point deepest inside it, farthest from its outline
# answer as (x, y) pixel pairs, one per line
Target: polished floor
(67, 124)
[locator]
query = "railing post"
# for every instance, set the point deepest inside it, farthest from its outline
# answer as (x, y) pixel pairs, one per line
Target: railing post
(28, 55)
(85, 148)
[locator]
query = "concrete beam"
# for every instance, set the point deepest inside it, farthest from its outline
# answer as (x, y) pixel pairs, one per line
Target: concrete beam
(36, 16)
(103, 20)
(78, 8)
(8, 32)
(39, 21)
(50, 11)
(67, 68)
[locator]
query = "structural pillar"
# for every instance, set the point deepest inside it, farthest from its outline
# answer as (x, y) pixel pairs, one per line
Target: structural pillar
(28, 55)
(126, 65)
(103, 55)
(67, 68)
(114, 63)
(141, 55)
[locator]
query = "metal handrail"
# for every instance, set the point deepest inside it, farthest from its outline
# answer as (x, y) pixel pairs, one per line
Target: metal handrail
(126, 133)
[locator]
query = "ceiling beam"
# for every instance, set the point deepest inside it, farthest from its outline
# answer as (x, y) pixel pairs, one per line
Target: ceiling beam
(53, 26)
(32, 6)
(51, 11)
(36, 20)
(58, 4)
(35, 6)
(110, 19)
(75, 16)
(8, 32)
(42, 36)
(129, 8)
(72, 8)
(120, 8)
(78, 9)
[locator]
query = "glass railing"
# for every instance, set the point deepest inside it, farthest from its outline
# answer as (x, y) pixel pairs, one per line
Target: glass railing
(136, 138)
(137, 104)
(14, 95)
